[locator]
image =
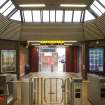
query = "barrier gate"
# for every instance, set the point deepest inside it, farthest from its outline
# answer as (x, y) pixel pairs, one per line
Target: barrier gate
(51, 91)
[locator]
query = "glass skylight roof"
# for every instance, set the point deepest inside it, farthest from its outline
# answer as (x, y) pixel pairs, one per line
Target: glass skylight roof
(59, 15)
(68, 16)
(96, 10)
(45, 16)
(52, 16)
(102, 1)
(36, 16)
(88, 16)
(77, 16)
(5, 7)
(2, 2)
(27, 16)
(8, 8)
(16, 16)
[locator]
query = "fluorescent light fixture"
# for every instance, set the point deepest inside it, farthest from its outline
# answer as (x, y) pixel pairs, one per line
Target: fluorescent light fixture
(68, 44)
(32, 5)
(36, 44)
(33, 41)
(73, 5)
(71, 41)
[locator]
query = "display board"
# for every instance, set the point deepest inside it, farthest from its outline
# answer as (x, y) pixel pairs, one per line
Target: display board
(8, 61)
(96, 59)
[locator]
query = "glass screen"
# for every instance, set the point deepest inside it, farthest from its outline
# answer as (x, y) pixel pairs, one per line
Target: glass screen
(96, 59)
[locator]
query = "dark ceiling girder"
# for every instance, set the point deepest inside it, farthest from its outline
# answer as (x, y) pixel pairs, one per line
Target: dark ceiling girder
(92, 12)
(12, 13)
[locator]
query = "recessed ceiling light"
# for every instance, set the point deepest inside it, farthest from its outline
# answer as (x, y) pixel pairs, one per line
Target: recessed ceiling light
(32, 5)
(73, 5)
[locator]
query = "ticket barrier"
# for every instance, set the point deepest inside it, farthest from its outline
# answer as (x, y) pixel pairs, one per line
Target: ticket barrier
(96, 89)
(76, 91)
(26, 92)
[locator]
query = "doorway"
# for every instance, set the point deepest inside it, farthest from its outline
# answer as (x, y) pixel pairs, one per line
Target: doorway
(51, 59)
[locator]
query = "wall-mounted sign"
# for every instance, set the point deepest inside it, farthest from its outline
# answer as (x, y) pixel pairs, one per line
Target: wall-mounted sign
(8, 61)
(52, 42)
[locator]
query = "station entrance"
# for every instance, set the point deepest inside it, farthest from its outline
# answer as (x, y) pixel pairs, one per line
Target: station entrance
(52, 59)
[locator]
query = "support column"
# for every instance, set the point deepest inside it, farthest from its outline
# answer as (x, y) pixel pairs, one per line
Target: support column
(84, 58)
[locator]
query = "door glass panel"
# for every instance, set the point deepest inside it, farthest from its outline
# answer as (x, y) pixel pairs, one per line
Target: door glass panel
(52, 59)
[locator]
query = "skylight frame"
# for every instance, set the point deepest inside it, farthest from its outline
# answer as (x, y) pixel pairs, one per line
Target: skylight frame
(89, 16)
(76, 14)
(17, 17)
(36, 19)
(9, 10)
(28, 18)
(46, 15)
(68, 13)
(2, 2)
(6, 6)
(96, 10)
(53, 18)
(59, 16)
(102, 2)
(99, 6)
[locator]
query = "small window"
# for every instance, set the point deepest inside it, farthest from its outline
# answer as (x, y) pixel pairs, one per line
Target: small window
(6, 6)
(8, 10)
(52, 16)
(102, 1)
(2, 2)
(77, 16)
(28, 16)
(96, 10)
(45, 16)
(99, 6)
(16, 16)
(59, 16)
(36, 16)
(68, 16)
(88, 16)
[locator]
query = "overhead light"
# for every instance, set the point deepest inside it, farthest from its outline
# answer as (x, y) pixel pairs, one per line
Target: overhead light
(36, 44)
(33, 41)
(73, 5)
(32, 5)
(68, 44)
(71, 41)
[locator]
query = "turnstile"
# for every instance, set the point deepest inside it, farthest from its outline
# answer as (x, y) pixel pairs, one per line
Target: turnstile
(54, 91)
(76, 91)
(26, 92)
(96, 89)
